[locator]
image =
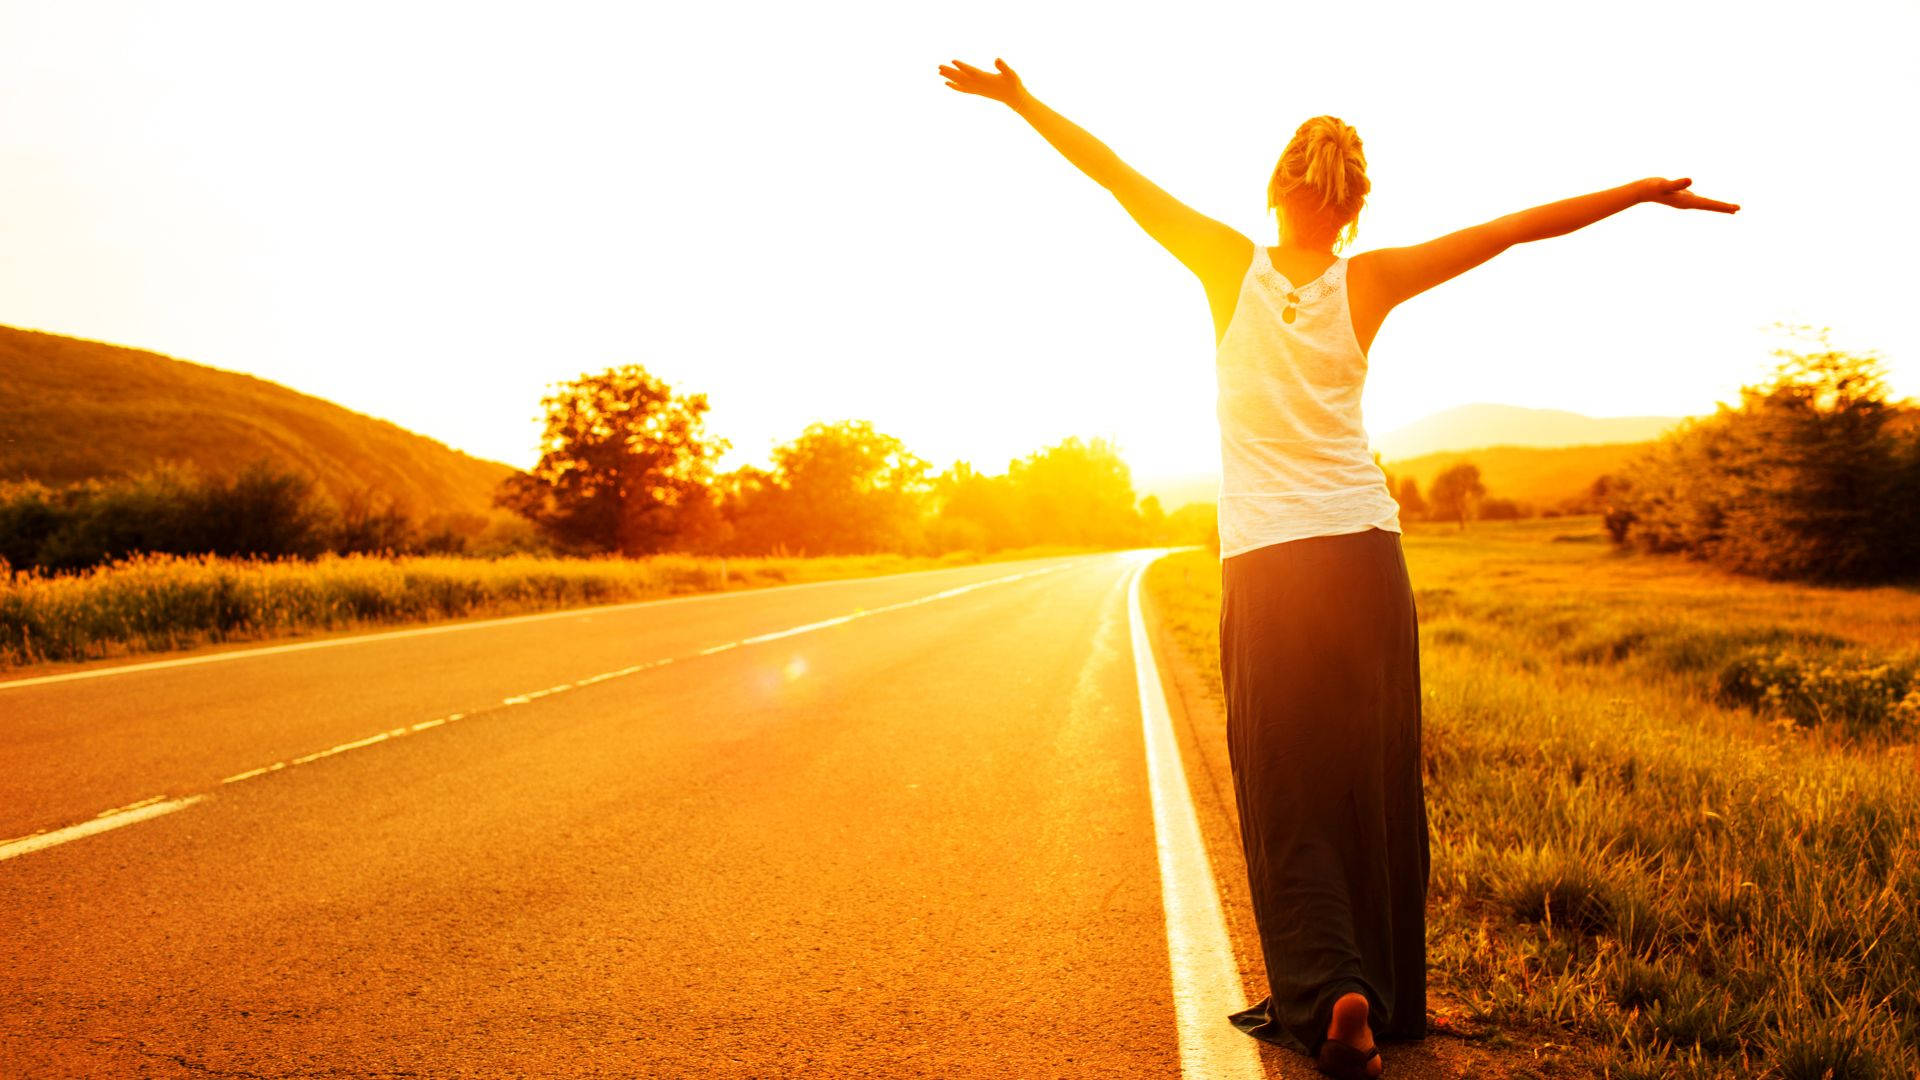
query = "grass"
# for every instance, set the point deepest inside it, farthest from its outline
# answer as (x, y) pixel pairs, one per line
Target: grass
(1631, 844)
(158, 603)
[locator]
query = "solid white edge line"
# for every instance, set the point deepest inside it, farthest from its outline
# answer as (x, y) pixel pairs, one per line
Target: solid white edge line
(1206, 977)
(37, 841)
(458, 627)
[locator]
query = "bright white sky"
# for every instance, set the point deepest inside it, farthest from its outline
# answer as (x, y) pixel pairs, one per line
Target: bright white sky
(430, 212)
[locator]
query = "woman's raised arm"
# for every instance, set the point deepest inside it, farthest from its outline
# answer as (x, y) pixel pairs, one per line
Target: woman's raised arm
(1395, 275)
(1213, 251)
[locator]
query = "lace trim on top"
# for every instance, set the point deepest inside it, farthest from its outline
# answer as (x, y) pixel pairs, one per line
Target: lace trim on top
(1318, 289)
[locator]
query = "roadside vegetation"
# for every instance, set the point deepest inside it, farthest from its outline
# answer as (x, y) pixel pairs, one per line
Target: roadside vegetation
(158, 602)
(1675, 812)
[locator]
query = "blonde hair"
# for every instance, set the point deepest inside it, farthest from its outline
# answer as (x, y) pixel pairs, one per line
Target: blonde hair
(1321, 181)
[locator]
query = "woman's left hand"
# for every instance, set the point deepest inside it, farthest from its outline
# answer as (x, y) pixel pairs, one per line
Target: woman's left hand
(1674, 193)
(1004, 87)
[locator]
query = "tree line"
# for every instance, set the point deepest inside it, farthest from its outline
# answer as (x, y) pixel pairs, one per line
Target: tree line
(1458, 494)
(263, 512)
(1814, 474)
(628, 466)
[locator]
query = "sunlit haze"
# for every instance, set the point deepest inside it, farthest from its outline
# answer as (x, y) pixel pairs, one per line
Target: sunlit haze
(429, 213)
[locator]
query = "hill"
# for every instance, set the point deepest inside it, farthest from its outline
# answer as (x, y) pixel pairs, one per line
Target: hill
(1467, 427)
(73, 410)
(1540, 475)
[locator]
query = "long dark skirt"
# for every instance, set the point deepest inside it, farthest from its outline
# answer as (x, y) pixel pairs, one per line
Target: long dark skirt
(1321, 660)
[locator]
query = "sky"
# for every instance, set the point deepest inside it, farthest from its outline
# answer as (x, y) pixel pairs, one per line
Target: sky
(431, 213)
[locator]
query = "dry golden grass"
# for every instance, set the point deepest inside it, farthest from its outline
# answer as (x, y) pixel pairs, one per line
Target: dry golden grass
(165, 602)
(1621, 852)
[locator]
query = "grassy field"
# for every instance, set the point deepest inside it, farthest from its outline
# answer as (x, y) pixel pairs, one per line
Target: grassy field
(164, 602)
(1675, 814)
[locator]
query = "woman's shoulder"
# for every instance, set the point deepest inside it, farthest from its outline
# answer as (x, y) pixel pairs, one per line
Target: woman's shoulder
(1364, 269)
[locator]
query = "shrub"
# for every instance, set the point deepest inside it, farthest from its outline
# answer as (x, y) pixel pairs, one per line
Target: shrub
(1815, 474)
(1860, 695)
(264, 512)
(29, 515)
(1493, 509)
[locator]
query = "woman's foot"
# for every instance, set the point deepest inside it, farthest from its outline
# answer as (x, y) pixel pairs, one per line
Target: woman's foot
(1350, 1050)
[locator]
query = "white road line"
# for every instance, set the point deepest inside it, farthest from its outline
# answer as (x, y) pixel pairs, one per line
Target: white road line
(262, 770)
(154, 807)
(1206, 978)
(450, 628)
(112, 819)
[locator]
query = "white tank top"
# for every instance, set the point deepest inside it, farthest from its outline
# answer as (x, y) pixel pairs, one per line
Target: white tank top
(1294, 459)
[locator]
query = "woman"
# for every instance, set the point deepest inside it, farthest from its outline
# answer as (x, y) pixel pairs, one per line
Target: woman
(1318, 647)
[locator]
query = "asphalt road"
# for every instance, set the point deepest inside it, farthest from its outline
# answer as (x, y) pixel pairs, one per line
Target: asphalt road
(893, 827)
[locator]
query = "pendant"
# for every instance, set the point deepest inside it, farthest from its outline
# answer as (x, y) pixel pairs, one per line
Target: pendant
(1287, 316)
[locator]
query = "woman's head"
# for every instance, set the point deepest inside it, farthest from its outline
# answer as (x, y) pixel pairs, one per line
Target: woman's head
(1321, 182)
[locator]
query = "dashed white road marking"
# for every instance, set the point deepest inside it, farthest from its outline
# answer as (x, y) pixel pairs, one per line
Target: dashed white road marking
(145, 810)
(251, 773)
(158, 805)
(1206, 978)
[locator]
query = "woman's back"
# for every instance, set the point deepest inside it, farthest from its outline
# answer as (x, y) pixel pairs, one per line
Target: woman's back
(1294, 455)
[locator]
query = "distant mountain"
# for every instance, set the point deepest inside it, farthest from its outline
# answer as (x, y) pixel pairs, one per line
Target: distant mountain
(72, 410)
(1468, 427)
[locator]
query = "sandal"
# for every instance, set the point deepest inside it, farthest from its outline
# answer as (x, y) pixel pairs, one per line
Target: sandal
(1338, 1059)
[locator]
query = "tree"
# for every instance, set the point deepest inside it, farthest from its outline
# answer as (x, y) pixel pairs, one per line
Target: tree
(1195, 523)
(1076, 492)
(1456, 491)
(838, 488)
(1412, 503)
(370, 522)
(624, 464)
(1610, 494)
(1812, 475)
(1153, 519)
(974, 511)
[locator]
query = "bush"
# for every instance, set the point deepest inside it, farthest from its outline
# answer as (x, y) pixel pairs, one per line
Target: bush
(264, 512)
(1861, 696)
(1814, 475)
(29, 515)
(1492, 509)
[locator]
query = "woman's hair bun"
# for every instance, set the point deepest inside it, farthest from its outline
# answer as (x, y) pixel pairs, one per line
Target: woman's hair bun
(1321, 181)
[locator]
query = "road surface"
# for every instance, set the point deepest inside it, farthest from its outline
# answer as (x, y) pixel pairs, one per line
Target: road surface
(895, 827)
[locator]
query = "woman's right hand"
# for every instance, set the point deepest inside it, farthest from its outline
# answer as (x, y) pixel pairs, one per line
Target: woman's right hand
(1004, 87)
(1674, 193)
